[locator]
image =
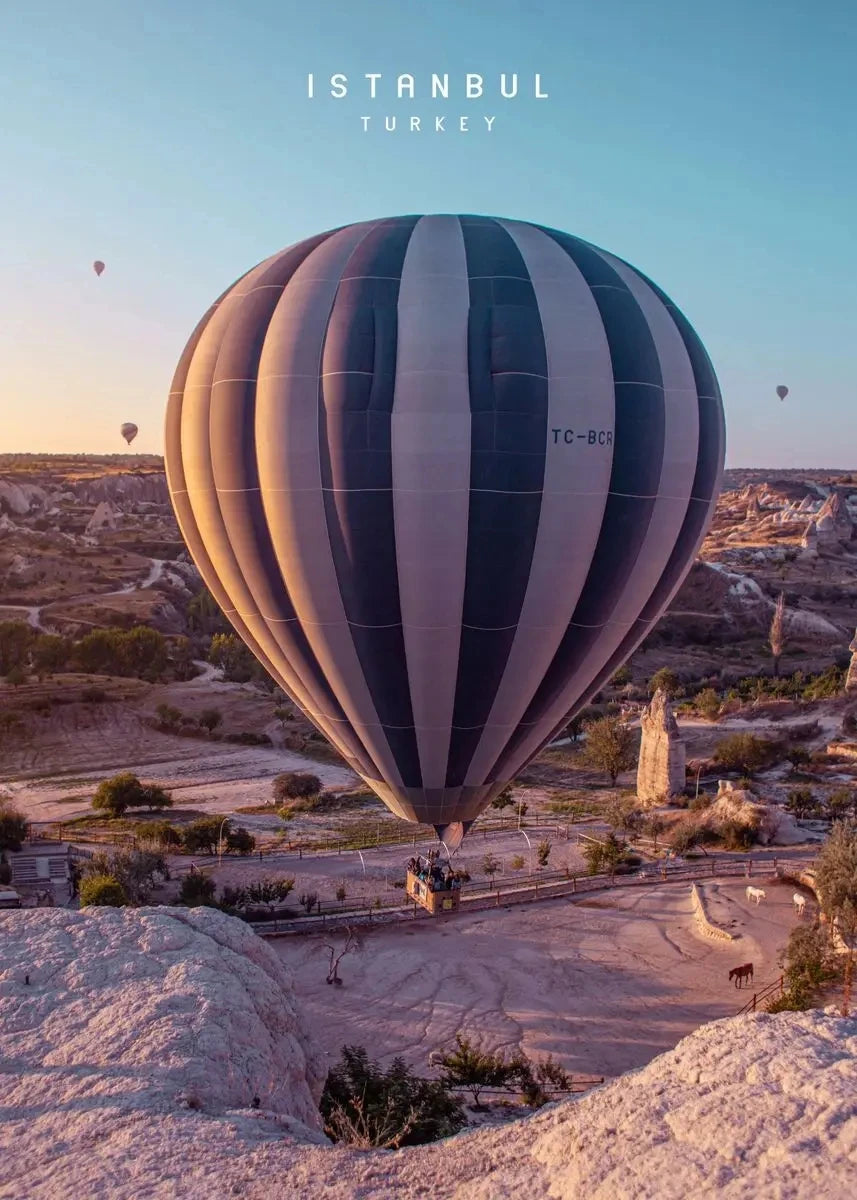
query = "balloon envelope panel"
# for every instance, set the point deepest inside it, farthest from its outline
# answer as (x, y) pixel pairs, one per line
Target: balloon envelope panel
(443, 474)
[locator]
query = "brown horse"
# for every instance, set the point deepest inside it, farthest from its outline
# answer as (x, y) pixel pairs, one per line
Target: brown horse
(739, 974)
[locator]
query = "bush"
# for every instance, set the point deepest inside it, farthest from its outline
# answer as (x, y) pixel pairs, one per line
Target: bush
(666, 680)
(745, 752)
(162, 833)
(102, 891)
(807, 965)
(240, 841)
(610, 746)
(308, 901)
(707, 704)
(125, 791)
(93, 695)
(517, 863)
(210, 718)
(474, 1069)
(604, 857)
(365, 1106)
(295, 785)
(203, 835)
(196, 889)
(490, 865)
(504, 800)
(13, 827)
(801, 802)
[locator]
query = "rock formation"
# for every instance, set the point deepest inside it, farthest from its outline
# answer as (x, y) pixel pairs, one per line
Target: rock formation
(661, 769)
(834, 523)
(809, 541)
(752, 508)
(104, 517)
(851, 677)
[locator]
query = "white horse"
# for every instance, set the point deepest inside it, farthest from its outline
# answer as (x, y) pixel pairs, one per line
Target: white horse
(799, 902)
(757, 895)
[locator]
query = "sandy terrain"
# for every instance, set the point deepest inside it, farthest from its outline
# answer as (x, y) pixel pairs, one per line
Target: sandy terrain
(604, 984)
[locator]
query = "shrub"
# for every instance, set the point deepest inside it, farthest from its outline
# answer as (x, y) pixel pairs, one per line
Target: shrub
(666, 680)
(801, 802)
(203, 835)
(240, 841)
(543, 851)
(745, 752)
(196, 890)
(610, 746)
(605, 856)
(295, 785)
(102, 891)
(210, 718)
(340, 892)
(504, 800)
(365, 1106)
(125, 791)
(474, 1069)
(517, 863)
(93, 695)
(16, 676)
(308, 901)
(13, 827)
(162, 833)
(707, 704)
(807, 965)
(490, 865)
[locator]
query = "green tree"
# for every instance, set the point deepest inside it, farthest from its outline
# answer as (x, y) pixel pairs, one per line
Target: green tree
(230, 654)
(50, 653)
(13, 827)
(16, 638)
(366, 1107)
(134, 870)
(666, 680)
(490, 865)
(707, 704)
(745, 752)
(473, 1069)
(807, 965)
(210, 718)
(114, 796)
(240, 841)
(543, 851)
(604, 857)
(202, 836)
(169, 717)
(504, 800)
(204, 614)
(621, 677)
(610, 746)
(841, 804)
(103, 891)
(295, 785)
(801, 802)
(16, 677)
(196, 890)
(836, 884)
(159, 833)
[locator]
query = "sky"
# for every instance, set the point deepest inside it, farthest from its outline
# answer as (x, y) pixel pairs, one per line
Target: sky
(712, 146)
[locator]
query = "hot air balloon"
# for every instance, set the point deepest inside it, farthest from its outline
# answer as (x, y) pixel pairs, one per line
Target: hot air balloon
(98, 266)
(443, 474)
(129, 431)
(782, 391)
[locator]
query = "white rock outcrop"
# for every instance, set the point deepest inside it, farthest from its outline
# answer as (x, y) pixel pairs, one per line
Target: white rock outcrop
(663, 754)
(851, 677)
(834, 523)
(104, 517)
(128, 1016)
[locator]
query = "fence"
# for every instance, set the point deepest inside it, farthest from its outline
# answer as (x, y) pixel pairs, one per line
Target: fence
(772, 991)
(474, 897)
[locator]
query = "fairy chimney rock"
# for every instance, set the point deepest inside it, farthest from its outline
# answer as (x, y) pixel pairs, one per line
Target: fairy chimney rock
(834, 521)
(851, 677)
(663, 755)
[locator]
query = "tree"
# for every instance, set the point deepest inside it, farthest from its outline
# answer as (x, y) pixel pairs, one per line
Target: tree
(610, 746)
(204, 615)
(295, 785)
(745, 752)
(134, 871)
(203, 835)
(474, 1069)
(801, 802)
(654, 825)
(16, 677)
(240, 841)
(841, 803)
(543, 851)
(490, 865)
(15, 640)
(351, 946)
(365, 1106)
(230, 654)
(623, 815)
(807, 964)
(196, 890)
(210, 719)
(504, 800)
(604, 856)
(836, 884)
(282, 714)
(160, 833)
(114, 796)
(621, 677)
(13, 827)
(777, 632)
(666, 680)
(798, 756)
(102, 891)
(50, 653)
(169, 717)
(708, 704)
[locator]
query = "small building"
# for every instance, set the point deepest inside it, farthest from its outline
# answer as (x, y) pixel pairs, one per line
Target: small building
(9, 898)
(42, 869)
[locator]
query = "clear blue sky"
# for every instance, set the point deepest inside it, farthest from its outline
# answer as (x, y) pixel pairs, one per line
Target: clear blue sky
(713, 146)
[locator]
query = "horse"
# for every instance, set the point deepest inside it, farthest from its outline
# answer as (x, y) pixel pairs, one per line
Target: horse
(739, 974)
(799, 902)
(757, 895)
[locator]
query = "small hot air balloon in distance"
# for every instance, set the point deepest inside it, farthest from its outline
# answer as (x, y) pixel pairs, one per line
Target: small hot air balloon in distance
(782, 391)
(98, 266)
(427, 496)
(129, 431)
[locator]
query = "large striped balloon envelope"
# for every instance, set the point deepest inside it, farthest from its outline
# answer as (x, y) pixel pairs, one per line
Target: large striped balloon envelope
(443, 474)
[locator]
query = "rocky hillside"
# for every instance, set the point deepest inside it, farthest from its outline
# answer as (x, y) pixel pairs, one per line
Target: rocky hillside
(131, 1059)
